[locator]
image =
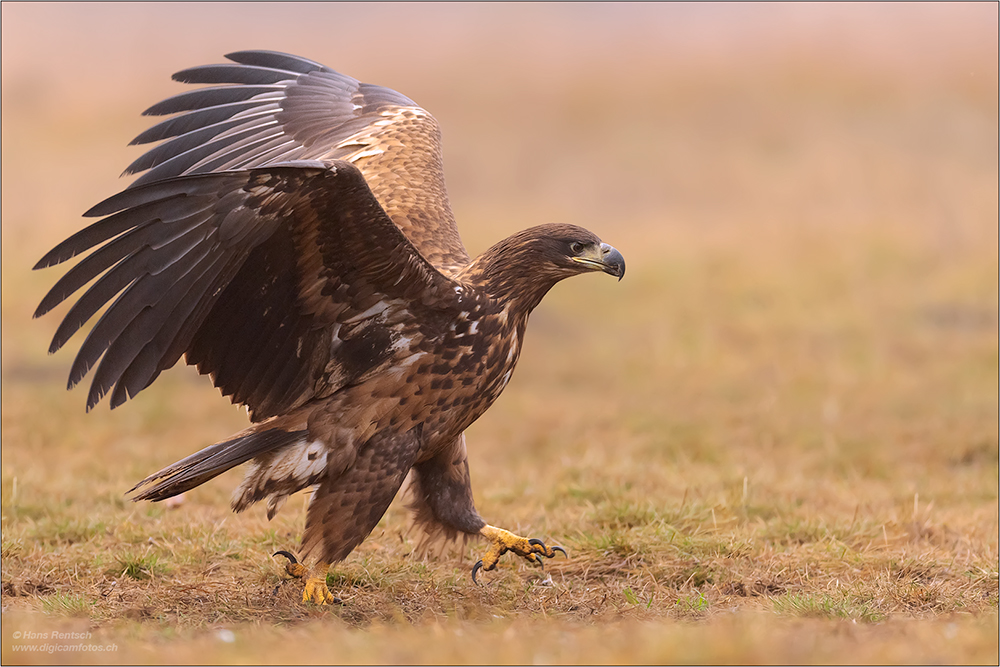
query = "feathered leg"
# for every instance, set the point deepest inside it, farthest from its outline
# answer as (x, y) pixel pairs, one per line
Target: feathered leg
(441, 500)
(345, 509)
(441, 495)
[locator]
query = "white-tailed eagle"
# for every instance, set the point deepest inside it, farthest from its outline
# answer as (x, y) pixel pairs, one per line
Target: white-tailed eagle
(291, 237)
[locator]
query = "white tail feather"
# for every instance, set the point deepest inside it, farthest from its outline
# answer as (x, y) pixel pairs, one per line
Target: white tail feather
(280, 474)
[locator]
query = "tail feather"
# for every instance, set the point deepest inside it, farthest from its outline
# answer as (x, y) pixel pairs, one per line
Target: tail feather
(282, 472)
(202, 466)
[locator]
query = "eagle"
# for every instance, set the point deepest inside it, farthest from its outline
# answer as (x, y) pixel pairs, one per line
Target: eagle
(290, 236)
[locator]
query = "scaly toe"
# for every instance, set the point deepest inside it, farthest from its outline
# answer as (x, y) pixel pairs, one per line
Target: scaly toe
(316, 591)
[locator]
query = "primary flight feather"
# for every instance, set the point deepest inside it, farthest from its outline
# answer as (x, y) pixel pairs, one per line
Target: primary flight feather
(292, 238)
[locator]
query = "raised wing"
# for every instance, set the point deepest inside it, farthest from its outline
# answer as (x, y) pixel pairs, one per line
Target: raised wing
(284, 283)
(272, 107)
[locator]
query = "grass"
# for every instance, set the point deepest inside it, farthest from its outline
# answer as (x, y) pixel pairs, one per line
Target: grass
(827, 606)
(774, 441)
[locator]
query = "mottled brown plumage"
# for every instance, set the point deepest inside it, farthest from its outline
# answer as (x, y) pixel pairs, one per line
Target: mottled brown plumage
(292, 238)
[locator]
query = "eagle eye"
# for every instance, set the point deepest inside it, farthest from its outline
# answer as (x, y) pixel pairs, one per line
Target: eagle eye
(577, 247)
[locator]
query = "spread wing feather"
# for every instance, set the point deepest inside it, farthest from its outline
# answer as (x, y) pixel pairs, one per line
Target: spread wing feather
(261, 277)
(265, 108)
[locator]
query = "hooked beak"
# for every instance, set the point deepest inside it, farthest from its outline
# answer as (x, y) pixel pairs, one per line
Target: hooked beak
(604, 258)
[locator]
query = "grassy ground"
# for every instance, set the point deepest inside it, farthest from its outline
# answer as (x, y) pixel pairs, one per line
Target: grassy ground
(775, 441)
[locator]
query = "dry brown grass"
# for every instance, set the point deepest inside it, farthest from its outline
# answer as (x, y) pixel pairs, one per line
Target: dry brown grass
(775, 441)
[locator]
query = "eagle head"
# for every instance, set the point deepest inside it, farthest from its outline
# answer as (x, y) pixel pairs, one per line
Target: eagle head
(523, 267)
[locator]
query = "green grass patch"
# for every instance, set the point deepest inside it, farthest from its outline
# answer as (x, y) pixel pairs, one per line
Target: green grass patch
(829, 606)
(139, 567)
(67, 604)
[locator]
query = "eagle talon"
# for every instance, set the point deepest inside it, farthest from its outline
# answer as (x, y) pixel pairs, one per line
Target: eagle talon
(502, 541)
(315, 589)
(287, 554)
(294, 568)
(475, 568)
(548, 552)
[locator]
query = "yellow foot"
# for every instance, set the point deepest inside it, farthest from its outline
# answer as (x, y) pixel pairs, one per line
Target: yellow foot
(502, 541)
(315, 589)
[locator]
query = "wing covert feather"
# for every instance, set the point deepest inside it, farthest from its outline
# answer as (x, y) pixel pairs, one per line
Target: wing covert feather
(267, 107)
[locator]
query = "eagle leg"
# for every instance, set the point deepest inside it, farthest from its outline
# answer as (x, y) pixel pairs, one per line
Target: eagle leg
(502, 541)
(315, 589)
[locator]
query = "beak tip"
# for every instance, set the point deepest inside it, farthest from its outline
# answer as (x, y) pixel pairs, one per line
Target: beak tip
(614, 262)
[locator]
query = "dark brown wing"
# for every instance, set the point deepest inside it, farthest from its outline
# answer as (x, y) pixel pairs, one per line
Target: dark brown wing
(271, 107)
(277, 281)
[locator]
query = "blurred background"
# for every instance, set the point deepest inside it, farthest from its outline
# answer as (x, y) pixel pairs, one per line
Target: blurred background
(806, 196)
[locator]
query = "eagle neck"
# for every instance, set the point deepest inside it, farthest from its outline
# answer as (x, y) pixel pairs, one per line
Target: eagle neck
(519, 299)
(516, 280)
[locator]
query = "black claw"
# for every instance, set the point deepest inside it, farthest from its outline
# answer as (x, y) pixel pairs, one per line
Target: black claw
(538, 543)
(475, 569)
(538, 561)
(287, 555)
